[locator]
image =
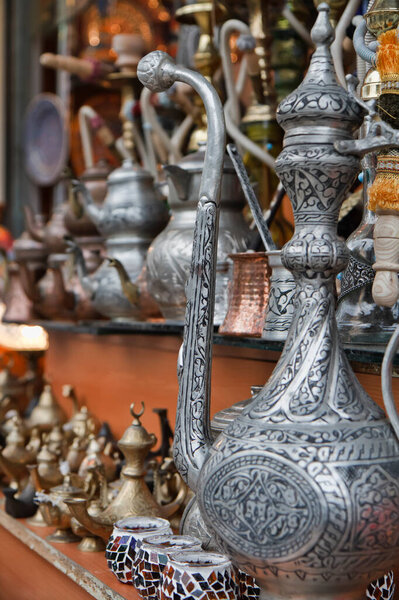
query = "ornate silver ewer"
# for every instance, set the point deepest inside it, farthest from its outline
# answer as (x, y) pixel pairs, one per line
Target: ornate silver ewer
(302, 489)
(169, 256)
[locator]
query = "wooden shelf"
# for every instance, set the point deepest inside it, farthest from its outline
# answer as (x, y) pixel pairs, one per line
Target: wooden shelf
(88, 570)
(364, 359)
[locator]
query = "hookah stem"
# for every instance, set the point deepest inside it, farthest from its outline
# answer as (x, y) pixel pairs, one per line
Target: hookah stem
(251, 198)
(384, 192)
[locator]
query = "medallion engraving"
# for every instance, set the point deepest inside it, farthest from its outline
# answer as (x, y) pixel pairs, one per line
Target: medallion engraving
(272, 509)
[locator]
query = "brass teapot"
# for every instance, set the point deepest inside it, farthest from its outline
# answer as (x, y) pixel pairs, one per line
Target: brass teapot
(55, 512)
(46, 473)
(134, 498)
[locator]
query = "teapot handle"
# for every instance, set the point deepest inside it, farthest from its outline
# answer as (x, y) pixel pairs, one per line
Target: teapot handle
(386, 381)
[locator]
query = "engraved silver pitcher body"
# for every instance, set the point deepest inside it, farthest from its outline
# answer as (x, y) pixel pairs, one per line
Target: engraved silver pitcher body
(301, 490)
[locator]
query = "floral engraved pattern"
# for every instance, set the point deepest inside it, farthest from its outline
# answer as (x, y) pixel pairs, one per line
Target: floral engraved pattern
(355, 276)
(196, 354)
(280, 307)
(376, 495)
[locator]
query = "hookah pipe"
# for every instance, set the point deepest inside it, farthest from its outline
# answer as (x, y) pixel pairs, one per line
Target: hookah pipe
(85, 68)
(384, 192)
(90, 122)
(231, 108)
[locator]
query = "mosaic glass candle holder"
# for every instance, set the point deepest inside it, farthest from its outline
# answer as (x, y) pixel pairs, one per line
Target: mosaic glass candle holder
(121, 548)
(248, 589)
(382, 589)
(152, 557)
(199, 575)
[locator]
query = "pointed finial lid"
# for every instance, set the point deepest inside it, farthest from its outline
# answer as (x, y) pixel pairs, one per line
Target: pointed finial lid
(320, 107)
(136, 436)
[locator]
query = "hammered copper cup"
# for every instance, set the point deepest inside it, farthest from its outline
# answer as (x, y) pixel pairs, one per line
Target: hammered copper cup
(248, 295)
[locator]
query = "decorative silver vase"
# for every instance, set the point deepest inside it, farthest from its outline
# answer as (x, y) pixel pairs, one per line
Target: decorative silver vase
(169, 256)
(302, 489)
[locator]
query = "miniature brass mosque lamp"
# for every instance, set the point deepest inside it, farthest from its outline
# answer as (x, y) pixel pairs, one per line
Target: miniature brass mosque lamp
(134, 498)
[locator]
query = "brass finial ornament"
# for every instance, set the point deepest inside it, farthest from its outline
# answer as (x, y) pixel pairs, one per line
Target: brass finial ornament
(47, 413)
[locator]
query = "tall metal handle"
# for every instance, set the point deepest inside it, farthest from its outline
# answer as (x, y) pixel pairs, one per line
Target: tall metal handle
(192, 434)
(386, 381)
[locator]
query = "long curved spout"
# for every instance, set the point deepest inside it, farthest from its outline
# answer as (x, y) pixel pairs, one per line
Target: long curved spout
(192, 435)
(80, 265)
(78, 509)
(91, 208)
(130, 289)
(35, 230)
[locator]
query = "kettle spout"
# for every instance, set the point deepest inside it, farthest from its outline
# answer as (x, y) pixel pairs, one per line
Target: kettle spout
(39, 485)
(68, 391)
(168, 510)
(35, 230)
(78, 509)
(193, 439)
(180, 180)
(81, 267)
(130, 290)
(91, 208)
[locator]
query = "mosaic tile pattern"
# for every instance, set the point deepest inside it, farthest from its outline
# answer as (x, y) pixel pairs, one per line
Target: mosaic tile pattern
(125, 540)
(186, 584)
(152, 557)
(248, 588)
(382, 589)
(120, 554)
(147, 572)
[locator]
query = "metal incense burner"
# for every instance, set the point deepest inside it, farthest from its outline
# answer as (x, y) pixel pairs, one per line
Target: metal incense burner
(302, 489)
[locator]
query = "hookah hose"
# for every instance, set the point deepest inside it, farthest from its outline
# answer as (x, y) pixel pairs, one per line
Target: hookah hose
(384, 192)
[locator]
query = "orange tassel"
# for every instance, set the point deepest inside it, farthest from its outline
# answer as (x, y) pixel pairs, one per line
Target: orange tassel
(384, 192)
(388, 54)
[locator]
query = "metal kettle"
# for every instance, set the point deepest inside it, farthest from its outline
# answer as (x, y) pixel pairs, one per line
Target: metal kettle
(169, 256)
(132, 214)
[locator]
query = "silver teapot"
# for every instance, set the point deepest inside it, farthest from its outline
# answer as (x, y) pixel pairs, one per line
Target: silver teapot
(169, 256)
(131, 216)
(302, 489)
